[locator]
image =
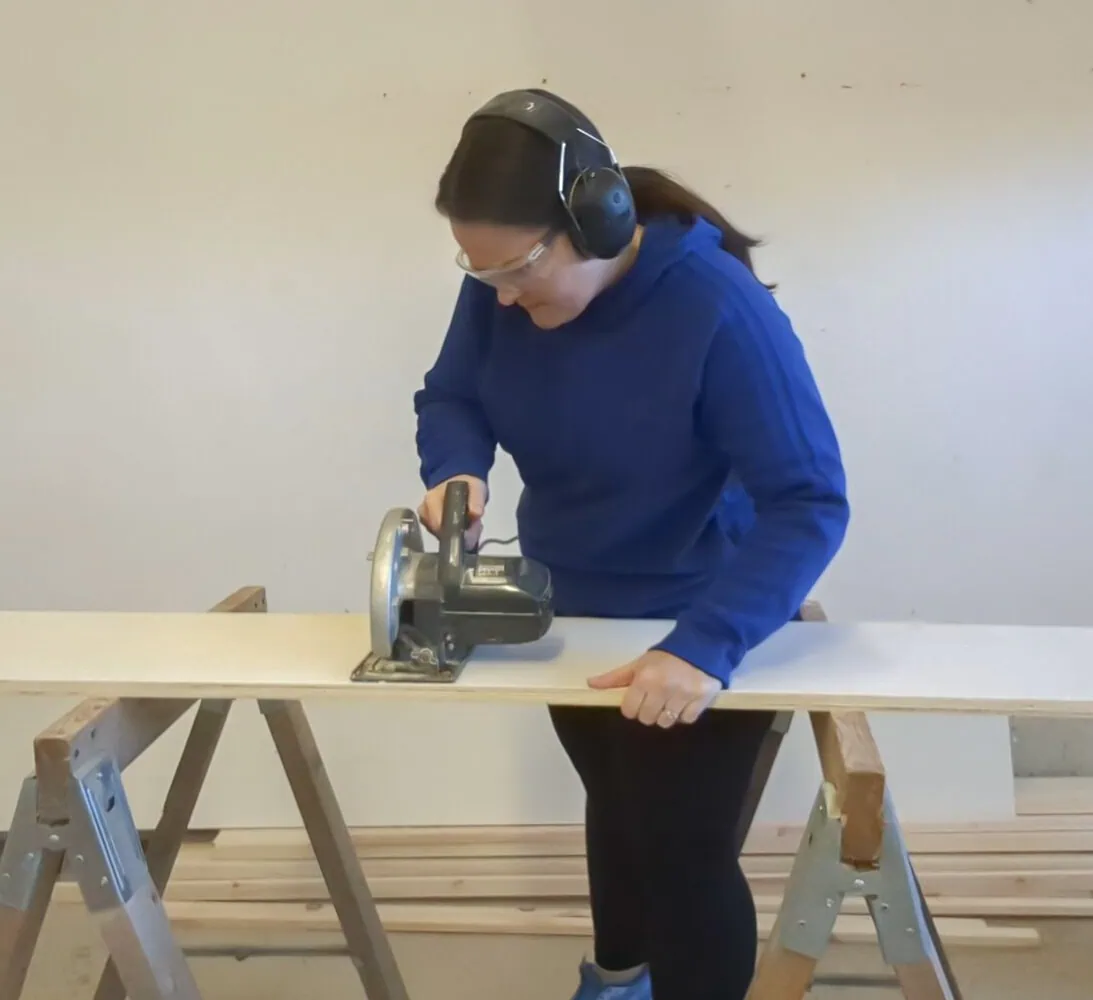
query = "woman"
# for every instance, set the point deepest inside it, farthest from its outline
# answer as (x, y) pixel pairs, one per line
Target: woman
(677, 462)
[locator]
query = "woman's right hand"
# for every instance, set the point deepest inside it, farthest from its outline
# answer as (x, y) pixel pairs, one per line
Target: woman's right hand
(431, 510)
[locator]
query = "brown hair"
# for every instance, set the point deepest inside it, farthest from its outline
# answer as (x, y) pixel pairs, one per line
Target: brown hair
(506, 174)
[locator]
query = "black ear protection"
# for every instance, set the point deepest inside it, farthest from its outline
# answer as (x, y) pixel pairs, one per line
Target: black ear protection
(596, 196)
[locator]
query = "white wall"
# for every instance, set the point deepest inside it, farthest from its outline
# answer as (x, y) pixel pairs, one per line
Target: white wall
(221, 279)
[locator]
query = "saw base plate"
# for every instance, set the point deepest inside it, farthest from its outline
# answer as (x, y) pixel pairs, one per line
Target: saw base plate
(412, 659)
(380, 669)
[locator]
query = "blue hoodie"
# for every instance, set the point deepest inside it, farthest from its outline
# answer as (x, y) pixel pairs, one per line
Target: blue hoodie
(676, 455)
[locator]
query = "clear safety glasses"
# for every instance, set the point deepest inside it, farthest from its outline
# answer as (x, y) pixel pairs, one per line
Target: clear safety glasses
(515, 272)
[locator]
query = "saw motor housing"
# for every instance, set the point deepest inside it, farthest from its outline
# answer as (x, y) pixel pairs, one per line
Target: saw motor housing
(429, 610)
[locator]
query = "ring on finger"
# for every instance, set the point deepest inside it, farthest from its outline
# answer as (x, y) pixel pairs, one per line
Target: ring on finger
(675, 710)
(667, 717)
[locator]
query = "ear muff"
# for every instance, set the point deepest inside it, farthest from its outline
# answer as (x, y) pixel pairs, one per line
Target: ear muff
(591, 185)
(602, 209)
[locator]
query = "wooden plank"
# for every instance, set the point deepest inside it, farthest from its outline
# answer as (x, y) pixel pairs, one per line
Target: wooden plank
(1030, 835)
(410, 842)
(548, 889)
(434, 888)
(199, 863)
(859, 667)
(982, 908)
(1000, 884)
(1054, 797)
(952, 862)
(198, 866)
(1024, 835)
(264, 921)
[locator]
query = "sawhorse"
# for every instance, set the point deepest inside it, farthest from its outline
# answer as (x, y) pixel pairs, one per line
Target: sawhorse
(852, 846)
(73, 818)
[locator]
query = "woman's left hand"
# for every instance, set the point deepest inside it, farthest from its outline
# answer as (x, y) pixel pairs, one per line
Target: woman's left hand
(661, 688)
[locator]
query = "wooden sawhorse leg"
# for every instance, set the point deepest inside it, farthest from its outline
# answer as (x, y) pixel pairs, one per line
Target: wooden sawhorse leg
(27, 876)
(73, 813)
(334, 850)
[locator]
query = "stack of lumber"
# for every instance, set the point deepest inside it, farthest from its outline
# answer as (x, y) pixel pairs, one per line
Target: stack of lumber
(265, 885)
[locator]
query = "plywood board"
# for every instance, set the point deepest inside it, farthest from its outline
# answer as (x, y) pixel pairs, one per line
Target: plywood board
(900, 666)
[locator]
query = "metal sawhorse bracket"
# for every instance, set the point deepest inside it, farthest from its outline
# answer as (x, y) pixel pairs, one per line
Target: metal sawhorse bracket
(73, 817)
(818, 883)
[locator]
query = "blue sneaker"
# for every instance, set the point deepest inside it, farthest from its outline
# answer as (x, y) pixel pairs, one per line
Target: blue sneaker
(593, 987)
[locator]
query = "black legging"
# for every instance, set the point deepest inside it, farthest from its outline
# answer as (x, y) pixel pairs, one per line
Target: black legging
(662, 810)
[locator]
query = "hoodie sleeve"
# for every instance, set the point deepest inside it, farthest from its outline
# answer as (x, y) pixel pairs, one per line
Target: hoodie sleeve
(454, 437)
(760, 408)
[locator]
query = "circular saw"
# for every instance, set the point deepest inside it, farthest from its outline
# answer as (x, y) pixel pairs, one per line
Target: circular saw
(429, 610)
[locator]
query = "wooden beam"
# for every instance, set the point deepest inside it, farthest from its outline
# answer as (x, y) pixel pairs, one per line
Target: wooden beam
(1031, 839)
(264, 922)
(851, 762)
(130, 725)
(1054, 797)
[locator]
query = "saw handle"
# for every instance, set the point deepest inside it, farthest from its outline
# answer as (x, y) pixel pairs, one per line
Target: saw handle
(453, 528)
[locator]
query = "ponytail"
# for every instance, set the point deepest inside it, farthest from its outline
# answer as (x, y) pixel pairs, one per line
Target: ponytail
(657, 194)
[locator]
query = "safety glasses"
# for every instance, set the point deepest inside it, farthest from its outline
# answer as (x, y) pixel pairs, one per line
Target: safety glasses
(515, 272)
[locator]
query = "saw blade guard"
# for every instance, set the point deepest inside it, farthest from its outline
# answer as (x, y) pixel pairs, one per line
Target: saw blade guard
(399, 539)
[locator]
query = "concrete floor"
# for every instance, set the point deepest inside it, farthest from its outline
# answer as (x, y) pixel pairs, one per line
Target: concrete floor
(463, 967)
